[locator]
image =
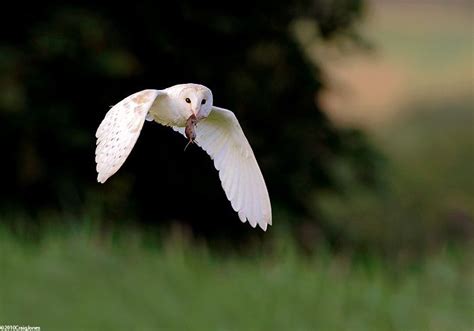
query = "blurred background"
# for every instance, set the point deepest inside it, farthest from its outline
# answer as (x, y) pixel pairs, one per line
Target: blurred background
(360, 114)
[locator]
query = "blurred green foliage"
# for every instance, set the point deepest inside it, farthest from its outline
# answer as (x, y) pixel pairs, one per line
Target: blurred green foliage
(79, 280)
(427, 199)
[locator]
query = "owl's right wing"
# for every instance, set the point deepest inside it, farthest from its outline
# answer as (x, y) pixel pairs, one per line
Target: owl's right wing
(119, 131)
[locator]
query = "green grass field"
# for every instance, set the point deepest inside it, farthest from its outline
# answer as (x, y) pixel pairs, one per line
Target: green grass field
(74, 280)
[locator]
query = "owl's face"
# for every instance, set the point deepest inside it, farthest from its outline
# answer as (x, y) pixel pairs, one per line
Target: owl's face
(198, 99)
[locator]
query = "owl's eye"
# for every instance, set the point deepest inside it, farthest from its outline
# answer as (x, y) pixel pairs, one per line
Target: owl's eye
(203, 101)
(187, 100)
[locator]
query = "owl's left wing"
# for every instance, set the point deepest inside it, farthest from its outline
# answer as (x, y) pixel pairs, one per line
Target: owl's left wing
(221, 136)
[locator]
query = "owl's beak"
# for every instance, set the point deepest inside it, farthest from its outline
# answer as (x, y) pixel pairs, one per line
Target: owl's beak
(197, 113)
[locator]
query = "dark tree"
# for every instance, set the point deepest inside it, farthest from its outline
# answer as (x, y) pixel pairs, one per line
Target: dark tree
(62, 66)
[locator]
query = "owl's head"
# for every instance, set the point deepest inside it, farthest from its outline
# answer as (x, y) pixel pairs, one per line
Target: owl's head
(198, 99)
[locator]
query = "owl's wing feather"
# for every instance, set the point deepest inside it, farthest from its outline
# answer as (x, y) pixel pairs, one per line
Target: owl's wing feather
(119, 131)
(221, 136)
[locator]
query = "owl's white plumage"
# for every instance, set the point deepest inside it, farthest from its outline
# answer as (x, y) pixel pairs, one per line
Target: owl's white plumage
(218, 132)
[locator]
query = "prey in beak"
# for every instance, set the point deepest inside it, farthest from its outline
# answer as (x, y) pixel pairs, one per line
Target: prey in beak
(190, 129)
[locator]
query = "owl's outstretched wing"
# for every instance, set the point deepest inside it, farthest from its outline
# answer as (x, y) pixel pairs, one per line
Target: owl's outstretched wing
(119, 131)
(221, 136)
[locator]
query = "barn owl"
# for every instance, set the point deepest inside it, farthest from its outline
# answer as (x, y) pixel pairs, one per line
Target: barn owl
(189, 110)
